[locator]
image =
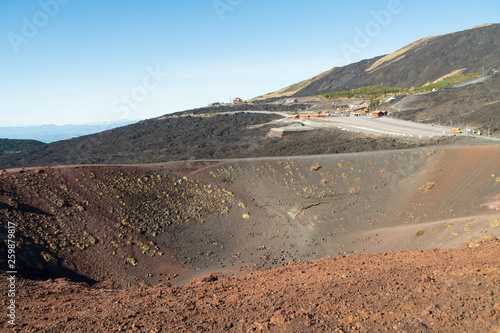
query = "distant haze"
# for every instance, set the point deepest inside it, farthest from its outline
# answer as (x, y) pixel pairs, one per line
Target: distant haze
(51, 133)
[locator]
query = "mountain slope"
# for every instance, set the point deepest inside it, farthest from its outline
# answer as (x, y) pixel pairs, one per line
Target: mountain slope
(152, 141)
(416, 64)
(475, 103)
(294, 88)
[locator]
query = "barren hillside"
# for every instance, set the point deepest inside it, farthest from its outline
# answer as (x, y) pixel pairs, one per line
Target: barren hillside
(222, 136)
(475, 103)
(414, 65)
(176, 221)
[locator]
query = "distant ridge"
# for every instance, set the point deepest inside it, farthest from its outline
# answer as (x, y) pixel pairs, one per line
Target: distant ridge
(413, 65)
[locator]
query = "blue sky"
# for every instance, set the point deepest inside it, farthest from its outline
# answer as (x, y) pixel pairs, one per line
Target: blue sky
(80, 62)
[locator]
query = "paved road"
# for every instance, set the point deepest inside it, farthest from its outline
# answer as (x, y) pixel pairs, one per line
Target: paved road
(382, 126)
(377, 126)
(386, 126)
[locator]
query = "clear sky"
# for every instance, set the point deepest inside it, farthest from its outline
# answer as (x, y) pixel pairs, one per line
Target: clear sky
(89, 61)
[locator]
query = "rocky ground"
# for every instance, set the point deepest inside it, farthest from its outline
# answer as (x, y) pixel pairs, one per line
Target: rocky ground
(414, 291)
(172, 222)
(476, 105)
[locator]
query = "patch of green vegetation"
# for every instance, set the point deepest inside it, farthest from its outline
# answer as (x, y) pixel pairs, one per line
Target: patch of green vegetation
(372, 92)
(495, 224)
(9, 146)
(375, 92)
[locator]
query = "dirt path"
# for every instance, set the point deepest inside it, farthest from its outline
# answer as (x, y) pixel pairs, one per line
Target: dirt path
(469, 82)
(399, 105)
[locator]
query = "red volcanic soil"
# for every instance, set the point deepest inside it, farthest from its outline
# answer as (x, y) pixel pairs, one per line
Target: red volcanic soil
(414, 291)
(119, 229)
